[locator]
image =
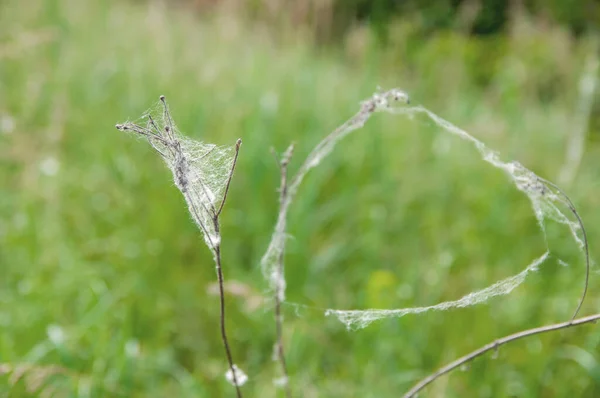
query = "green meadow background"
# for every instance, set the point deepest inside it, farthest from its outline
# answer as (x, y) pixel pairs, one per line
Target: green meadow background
(106, 286)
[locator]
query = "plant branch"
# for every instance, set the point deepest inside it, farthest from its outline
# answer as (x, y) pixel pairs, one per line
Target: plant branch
(199, 200)
(237, 152)
(494, 345)
(586, 248)
(222, 320)
(575, 144)
(220, 277)
(272, 262)
(279, 290)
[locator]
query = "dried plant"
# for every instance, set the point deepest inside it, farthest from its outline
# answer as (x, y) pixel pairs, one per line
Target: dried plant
(273, 260)
(494, 346)
(547, 199)
(203, 173)
(279, 293)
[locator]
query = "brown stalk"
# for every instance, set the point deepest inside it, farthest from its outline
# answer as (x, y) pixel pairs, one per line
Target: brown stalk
(283, 197)
(494, 346)
(586, 248)
(217, 251)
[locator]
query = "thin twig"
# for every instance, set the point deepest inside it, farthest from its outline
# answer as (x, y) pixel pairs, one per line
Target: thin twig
(153, 124)
(586, 248)
(141, 131)
(493, 346)
(167, 117)
(237, 151)
(273, 261)
(283, 192)
(222, 320)
(220, 274)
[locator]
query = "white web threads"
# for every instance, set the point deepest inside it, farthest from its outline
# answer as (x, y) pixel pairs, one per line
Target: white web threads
(544, 196)
(281, 382)
(377, 103)
(358, 319)
(270, 261)
(272, 270)
(203, 174)
(546, 200)
(200, 171)
(240, 376)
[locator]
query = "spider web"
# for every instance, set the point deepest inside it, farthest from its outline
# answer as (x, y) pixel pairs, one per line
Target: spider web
(546, 199)
(202, 173)
(358, 319)
(200, 170)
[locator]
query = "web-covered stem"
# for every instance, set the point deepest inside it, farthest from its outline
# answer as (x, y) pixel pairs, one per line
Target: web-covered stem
(273, 260)
(376, 103)
(203, 173)
(546, 200)
(584, 241)
(544, 195)
(279, 351)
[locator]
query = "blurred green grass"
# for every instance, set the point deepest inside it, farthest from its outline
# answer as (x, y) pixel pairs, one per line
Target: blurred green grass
(104, 274)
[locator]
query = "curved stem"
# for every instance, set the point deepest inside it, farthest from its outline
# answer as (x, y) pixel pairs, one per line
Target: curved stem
(494, 345)
(586, 249)
(279, 289)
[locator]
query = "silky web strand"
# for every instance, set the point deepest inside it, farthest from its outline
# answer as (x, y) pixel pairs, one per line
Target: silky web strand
(202, 173)
(358, 319)
(547, 201)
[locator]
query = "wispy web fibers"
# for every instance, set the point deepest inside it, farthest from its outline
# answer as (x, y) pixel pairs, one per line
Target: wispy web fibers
(546, 198)
(202, 172)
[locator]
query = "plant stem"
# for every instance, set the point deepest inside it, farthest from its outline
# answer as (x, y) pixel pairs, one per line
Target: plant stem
(493, 346)
(279, 289)
(222, 315)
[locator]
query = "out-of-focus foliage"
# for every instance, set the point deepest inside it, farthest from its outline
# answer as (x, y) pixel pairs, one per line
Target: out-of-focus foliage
(106, 288)
(332, 19)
